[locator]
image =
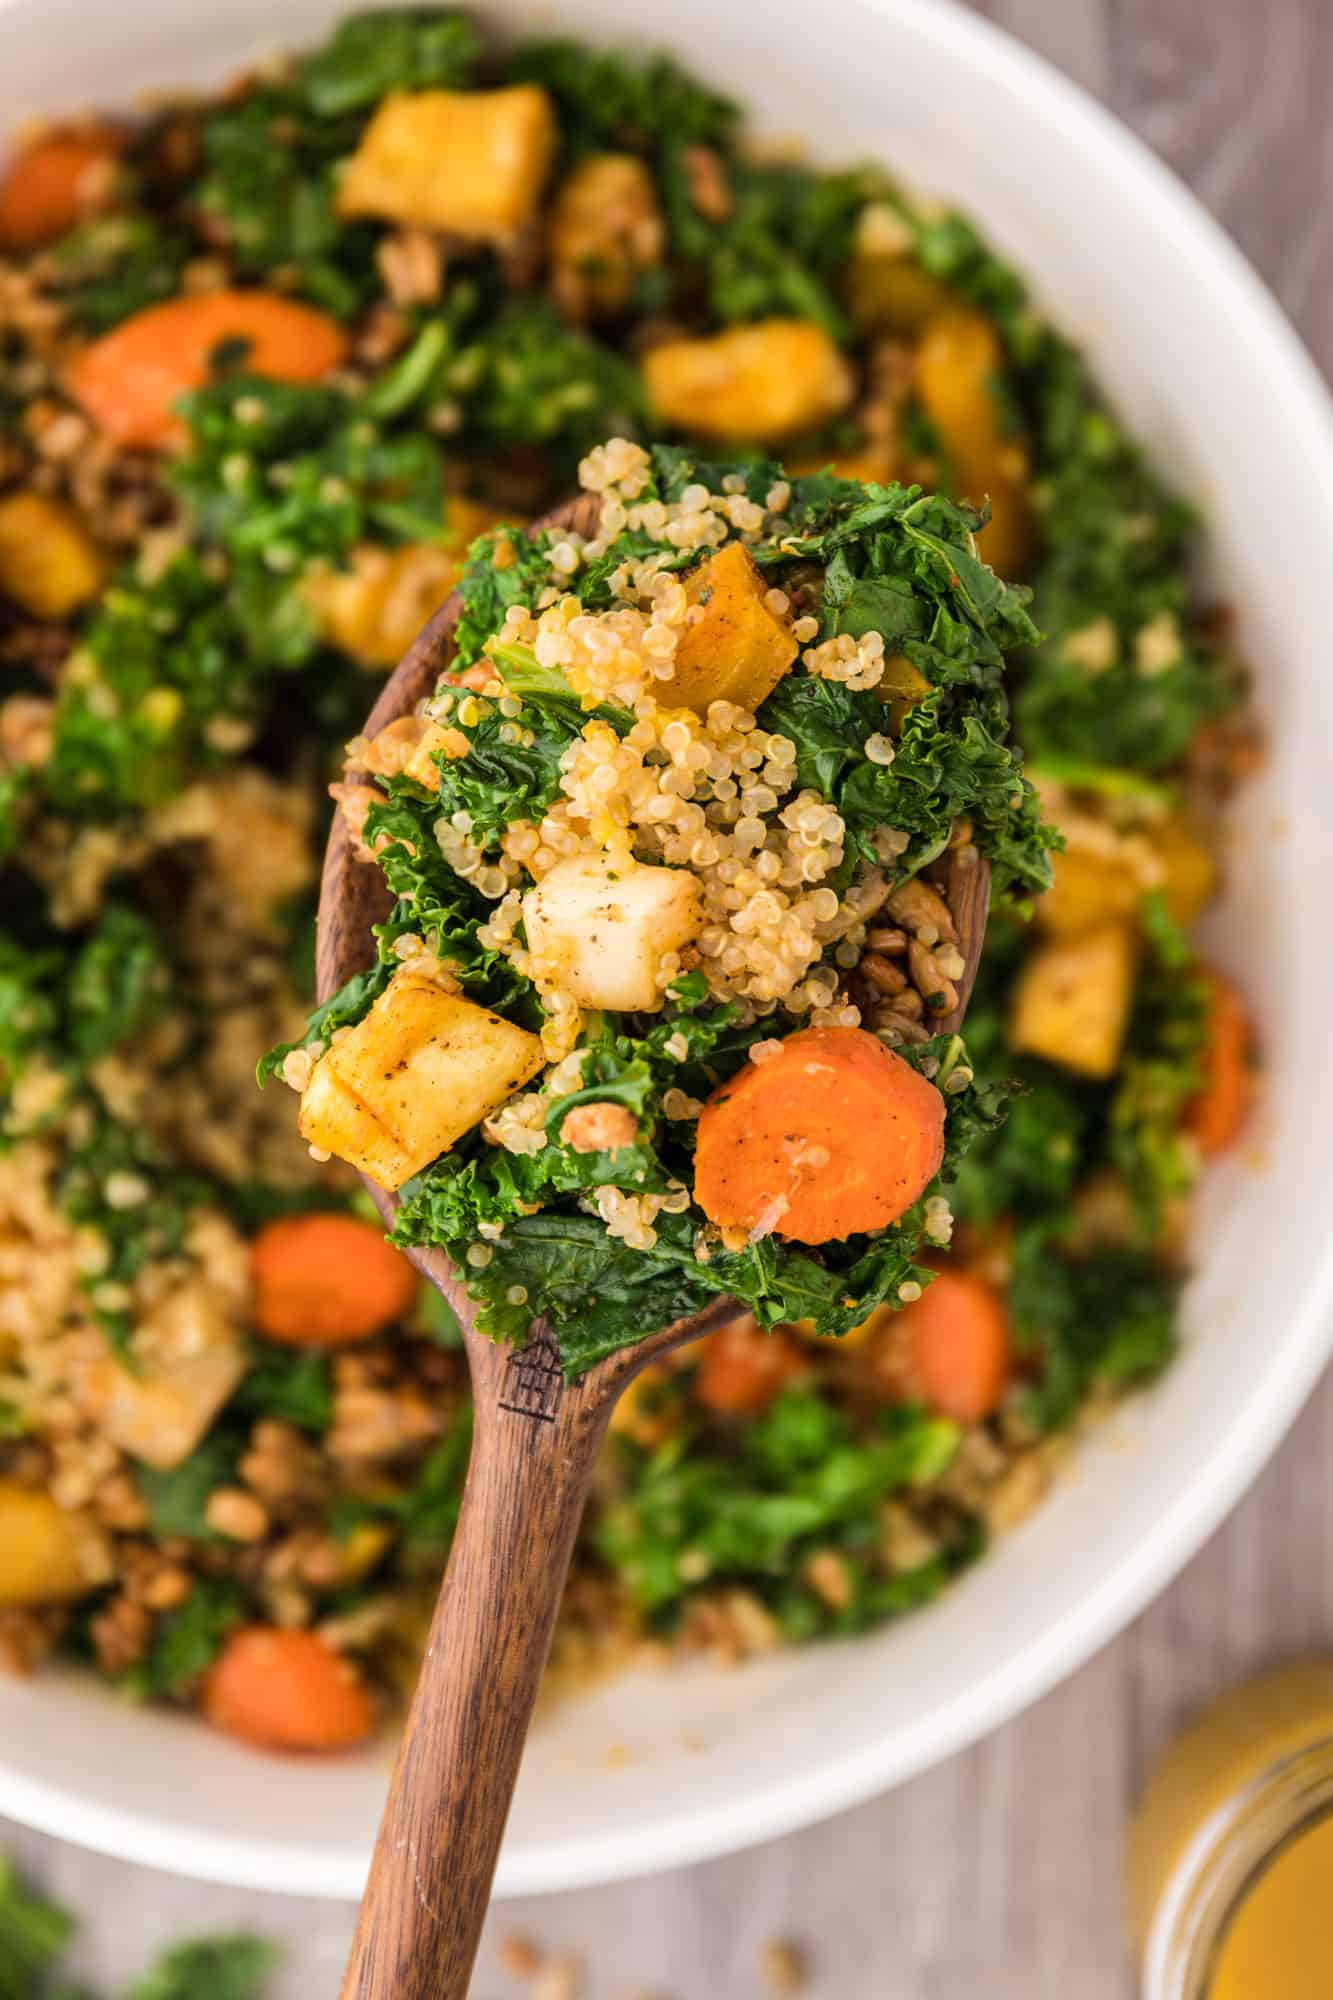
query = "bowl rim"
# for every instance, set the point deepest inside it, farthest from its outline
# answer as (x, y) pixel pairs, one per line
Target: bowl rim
(785, 1801)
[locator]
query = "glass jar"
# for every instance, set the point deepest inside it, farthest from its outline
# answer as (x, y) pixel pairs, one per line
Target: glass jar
(1230, 1863)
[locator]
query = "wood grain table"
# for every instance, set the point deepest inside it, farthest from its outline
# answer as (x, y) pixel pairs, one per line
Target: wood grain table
(994, 1877)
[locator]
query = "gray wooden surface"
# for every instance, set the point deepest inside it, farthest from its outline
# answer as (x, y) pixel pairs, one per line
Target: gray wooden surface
(994, 1877)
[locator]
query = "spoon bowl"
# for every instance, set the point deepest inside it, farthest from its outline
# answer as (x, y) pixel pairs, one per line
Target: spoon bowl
(535, 1441)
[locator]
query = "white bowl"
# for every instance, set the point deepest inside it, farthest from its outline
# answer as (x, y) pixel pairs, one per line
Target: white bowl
(1199, 358)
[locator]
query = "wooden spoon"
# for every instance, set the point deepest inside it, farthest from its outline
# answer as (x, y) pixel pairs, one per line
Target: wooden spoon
(535, 1439)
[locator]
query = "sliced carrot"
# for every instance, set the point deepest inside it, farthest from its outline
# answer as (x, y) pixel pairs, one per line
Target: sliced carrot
(327, 1281)
(834, 1133)
(56, 183)
(958, 1346)
(287, 1691)
(1218, 1112)
(130, 380)
(743, 1368)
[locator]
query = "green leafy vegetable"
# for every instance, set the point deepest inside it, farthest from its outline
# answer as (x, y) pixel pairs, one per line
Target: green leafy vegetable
(33, 1933)
(218, 1968)
(176, 1496)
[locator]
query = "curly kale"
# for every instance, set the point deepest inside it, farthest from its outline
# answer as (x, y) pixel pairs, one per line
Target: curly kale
(751, 1510)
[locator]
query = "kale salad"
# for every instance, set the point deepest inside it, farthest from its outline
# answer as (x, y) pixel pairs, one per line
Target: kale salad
(641, 836)
(866, 578)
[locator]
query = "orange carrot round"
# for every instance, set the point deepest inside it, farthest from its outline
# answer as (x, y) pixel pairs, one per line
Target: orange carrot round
(1218, 1111)
(287, 1691)
(958, 1346)
(56, 183)
(130, 379)
(327, 1281)
(834, 1133)
(743, 1368)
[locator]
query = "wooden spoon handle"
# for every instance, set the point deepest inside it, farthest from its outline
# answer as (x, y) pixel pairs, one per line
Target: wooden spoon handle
(430, 1877)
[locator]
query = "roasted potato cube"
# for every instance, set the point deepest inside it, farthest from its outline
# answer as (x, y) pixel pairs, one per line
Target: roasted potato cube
(958, 364)
(600, 924)
(1087, 890)
(1072, 1003)
(48, 1554)
(49, 563)
(188, 1358)
(759, 382)
(422, 1068)
(472, 162)
(734, 647)
(605, 229)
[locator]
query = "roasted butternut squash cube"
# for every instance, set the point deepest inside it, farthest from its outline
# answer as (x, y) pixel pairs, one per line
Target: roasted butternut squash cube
(606, 228)
(901, 687)
(375, 607)
(600, 924)
(422, 1068)
(871, 463)
(422, 766)
(1073, 999)
(48, 1555)
(189, 1357)
(958, 364)
(49, 563)
(894, 294)
(472, 162)
(761, 382)
(1087, 890)
(1189, 871)
(734, 646)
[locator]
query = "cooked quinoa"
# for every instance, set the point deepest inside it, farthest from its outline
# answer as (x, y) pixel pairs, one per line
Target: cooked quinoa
(194, 608)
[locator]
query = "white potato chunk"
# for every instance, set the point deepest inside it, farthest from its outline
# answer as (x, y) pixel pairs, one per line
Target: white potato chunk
(188, 1358)
(599, 925)
(422, 1068)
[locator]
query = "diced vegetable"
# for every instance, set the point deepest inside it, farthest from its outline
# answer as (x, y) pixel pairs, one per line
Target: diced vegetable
(958, 1346)
(375, 608)
(901, 687)
(472, 162)
(188, 1359)
(734, 647)
(56, 183)
(1191, 872)
(1073, 997)
(327, 1280)
(47, 1553)
(287, 1690)
(760, 382)
(871, 464)
(49, 562)
(605, 230)
(855, 1336)
(831, 1135)
(744, 1368)
(958, 364)
(603, 923)
(422, 1068)
(1087, 890)
(130, 380)
(1218, 1112)
(893, 294)
(644, 1411)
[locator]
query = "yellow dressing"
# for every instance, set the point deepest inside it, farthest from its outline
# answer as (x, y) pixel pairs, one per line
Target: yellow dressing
(1232, 1744)
(1280, 1943)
